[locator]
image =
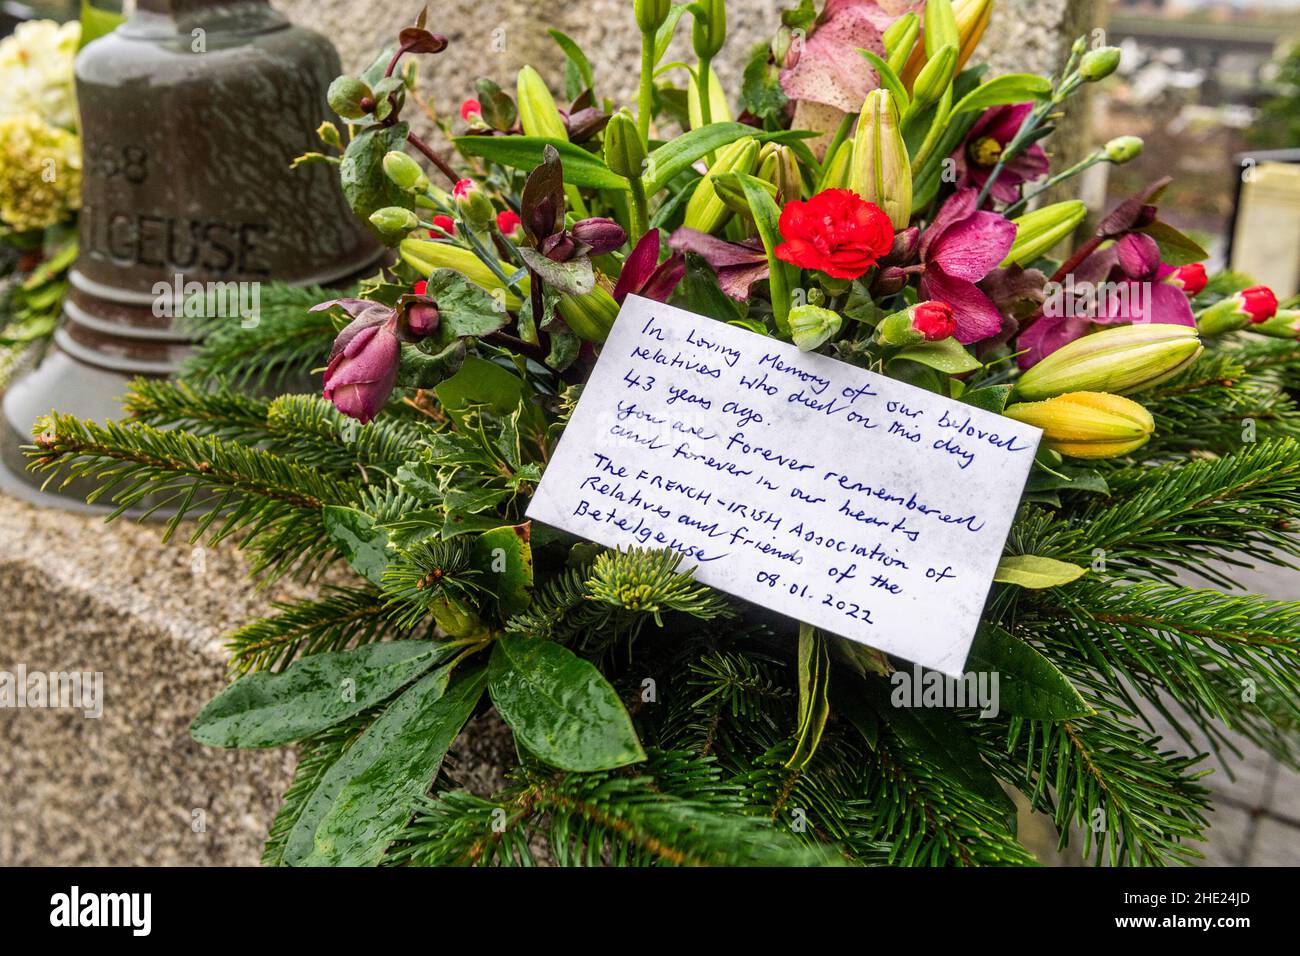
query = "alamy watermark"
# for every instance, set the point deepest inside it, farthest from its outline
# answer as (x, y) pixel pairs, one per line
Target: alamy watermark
(208, 300)
(53, 690)
(933, 689)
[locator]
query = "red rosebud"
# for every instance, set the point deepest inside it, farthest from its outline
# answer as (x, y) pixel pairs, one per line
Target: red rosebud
(446, 224)
(508, 222)
(471, 111)
(1191, 278)
(462, 188)
(837, 232)
(934, 320)
(1259, 302)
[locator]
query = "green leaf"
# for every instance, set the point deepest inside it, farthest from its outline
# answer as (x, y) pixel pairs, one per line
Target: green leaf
(267, 709)
(890, 81)
(1176, 248)
(1029, 685)
(365, 798)
(938, 737)
(760, 89)
(361, 173)
(664, 35)
(1034, 571)
(1068, 480)
(991, 398)
(576, 277)
(946, 355)
(506, 559)
(363, 544)
(421, 369)
(677, 155)
(577, 60)
(559, 706)
(703, 295)
(782, 276)
(463, 308)
(814, 702)
(1003, 90)
(484, 385)
(581, 168)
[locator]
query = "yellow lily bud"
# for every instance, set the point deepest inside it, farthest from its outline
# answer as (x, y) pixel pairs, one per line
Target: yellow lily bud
(706, 210)
(881, 171)
(1040, 230)
(1088, 424)
(424, 256)
(538, 113)
(1128, 358)
(778, 165)
(972, 18)
(939, 29)
(935, 77)
(590, 316)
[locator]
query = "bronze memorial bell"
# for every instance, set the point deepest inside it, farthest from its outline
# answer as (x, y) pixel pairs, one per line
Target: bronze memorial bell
(191, 112)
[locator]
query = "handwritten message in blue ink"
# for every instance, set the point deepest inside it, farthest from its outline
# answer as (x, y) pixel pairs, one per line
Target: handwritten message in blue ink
(859, 504)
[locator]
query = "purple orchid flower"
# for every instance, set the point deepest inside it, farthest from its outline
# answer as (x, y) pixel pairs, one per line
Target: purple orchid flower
(983, 147)
(962, 246)
(644, 275)
(1120, 285)
(738, 265)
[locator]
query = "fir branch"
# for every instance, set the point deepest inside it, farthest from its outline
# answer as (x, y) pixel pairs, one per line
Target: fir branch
(340, 618)
(288, 340)
(647, 581)
(273, 504)
(429, 576)
(677, 811)
(1181, 516)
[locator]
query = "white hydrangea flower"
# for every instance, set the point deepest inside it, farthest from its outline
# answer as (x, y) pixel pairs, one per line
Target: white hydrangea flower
(36, 71)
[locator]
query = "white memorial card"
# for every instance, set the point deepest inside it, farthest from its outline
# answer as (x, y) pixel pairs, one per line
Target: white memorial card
(862, 505)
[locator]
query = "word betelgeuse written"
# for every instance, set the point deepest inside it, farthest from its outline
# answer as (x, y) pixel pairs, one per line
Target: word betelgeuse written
(862, 505)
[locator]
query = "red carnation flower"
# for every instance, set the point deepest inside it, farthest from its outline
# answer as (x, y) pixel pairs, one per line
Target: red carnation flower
(420, 287)
(1190, 278)
(934, 320)
(508, 221)
(446, 224)
(471, 110)
(1259, 302)
(837, 232)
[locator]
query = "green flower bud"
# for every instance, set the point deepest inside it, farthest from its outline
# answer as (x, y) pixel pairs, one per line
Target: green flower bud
(329, 135)
(940, 27)
(650, 14)
(881, 170)
(835, 172)
(900, 38)
(1040, 230)
(473, 204)
(590, 316)
(1121, 149)
(1099, 63)
(709, 29)
(1285, 324)
(811, 326)
(706, 210)
(349, 97)
(935, 77)
(782, 40)
(394, 220)
(778, 165)
(538, 113)
(1088, 424)
(1122, 360)
(624, 151)
(404, 172)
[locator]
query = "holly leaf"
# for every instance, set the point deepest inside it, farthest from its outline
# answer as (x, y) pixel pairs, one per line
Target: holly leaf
(361, 172)
(363, 544)
(422, 369)
(463, 308)
(505, 558)
(268, 709)
(576, 277)
(559, 706)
